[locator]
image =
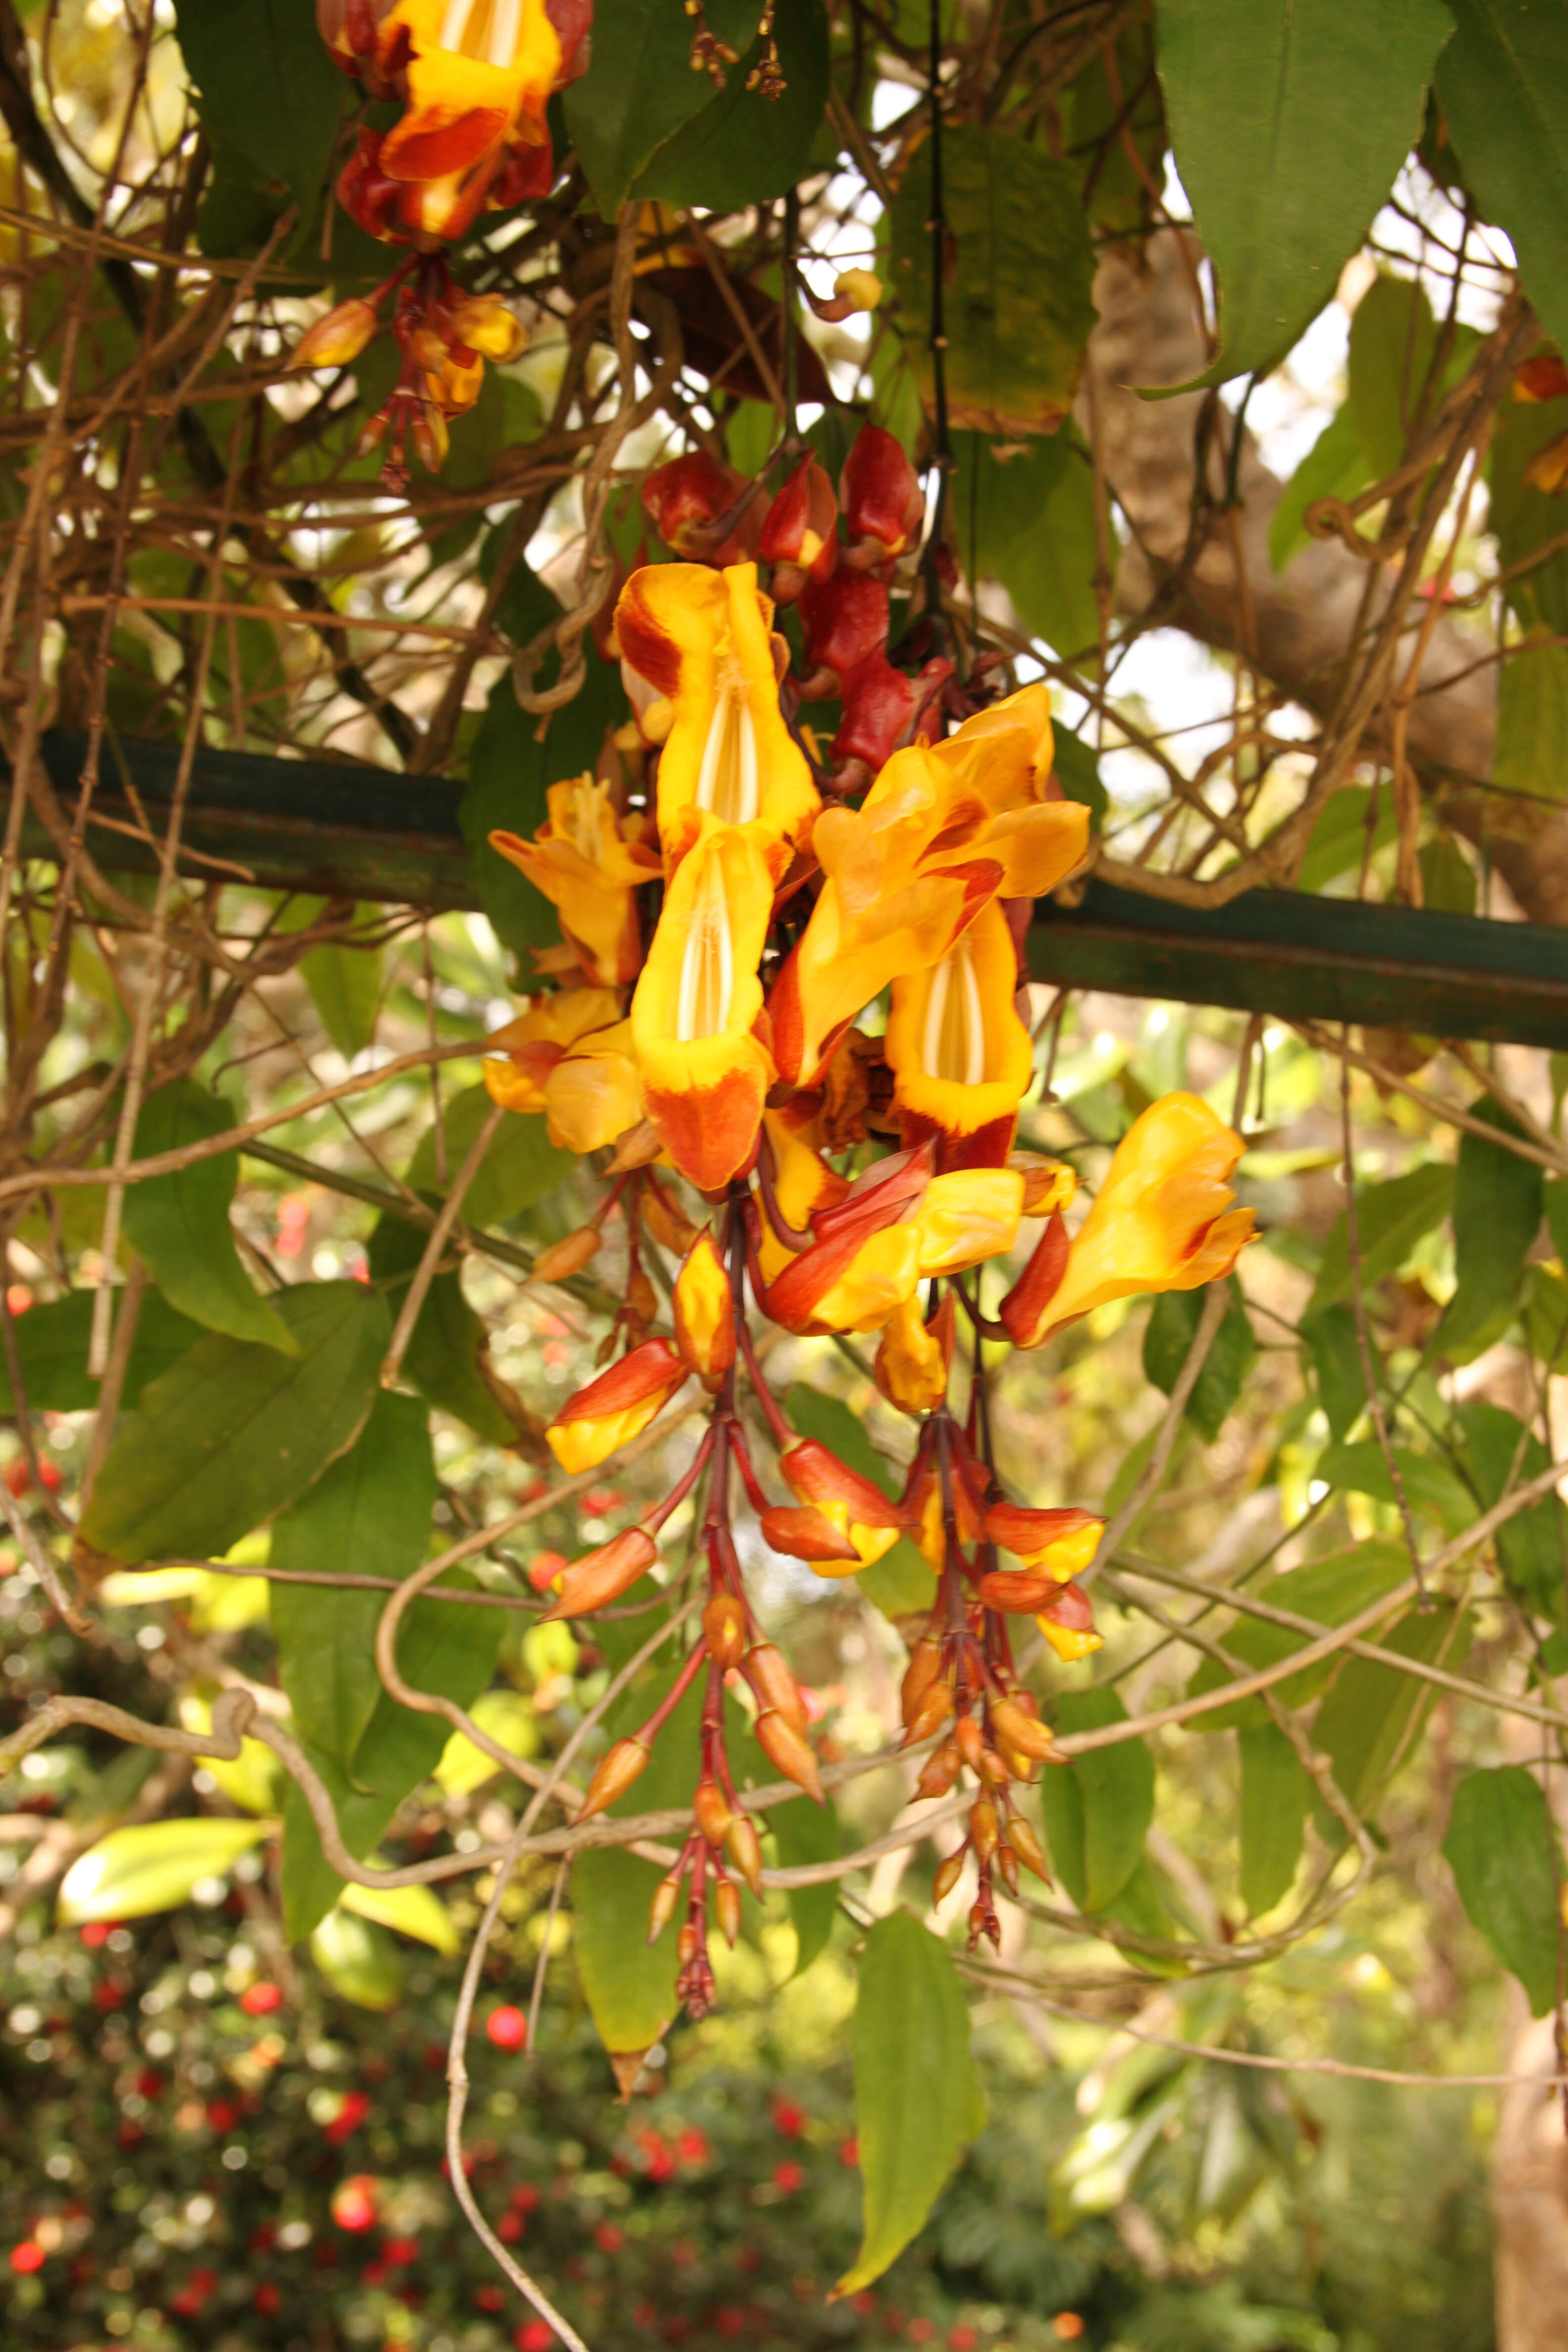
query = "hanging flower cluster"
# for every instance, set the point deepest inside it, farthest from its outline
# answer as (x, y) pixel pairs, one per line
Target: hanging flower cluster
(726, 930)
(474, 78)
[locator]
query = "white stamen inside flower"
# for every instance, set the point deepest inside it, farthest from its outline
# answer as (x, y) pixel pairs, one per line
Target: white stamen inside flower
(954, 1044)
(488, 30)
(708, 964)
(727, 781)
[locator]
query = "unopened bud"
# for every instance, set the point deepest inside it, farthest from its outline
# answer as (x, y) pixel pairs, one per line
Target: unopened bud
(642, 1298)
(671, 1229)
(861, 288)
(785, 1748)
(603, 1576)
(428, 348)
(372, 433)
(971, 1741)
(727, 1903)
(992, 1769)
(947, 1877)
(930, 1715)
(567, 1256)
(617, 1767)
(940, 1771)
(1021, 1731)
(1007, 1863)
(745, 1848)
(982, 1828)
(686, 1942)
(487, 325)
(704, 1310)
(431, 439)
(979, 1921)
(712, 1810)
(338, 338)
(724, 1628)
(661, 1910)
(1027, 1846)
(764, 1668)
(925, 1664)
(1048, 1183)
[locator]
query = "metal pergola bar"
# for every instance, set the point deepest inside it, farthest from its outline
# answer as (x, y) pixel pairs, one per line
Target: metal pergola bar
(351, 832)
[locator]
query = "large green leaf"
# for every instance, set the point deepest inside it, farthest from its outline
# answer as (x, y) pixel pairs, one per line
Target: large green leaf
(234, 1430)
(1024, 515)
(520, 1168)
(369, 1512)
(449, 1343)
(1532, 723)
(915, 2097)
(1496, 1215)
(179, 1223)
(1327, 1591)
(1168, 1342)
(901, 1582)
(1019, 302)
(1502, 1850)
(1373, 1712)
(1390, 1218)
(1499, 1452)
(1098, 1809)
(744, 148)
(152, 1867)
(1433, 1490)
(1288, 119)
(1276, 1791)
(1502, 82)
(268, 88)
(1333, 1344)
(639, 87)
(52, 1343)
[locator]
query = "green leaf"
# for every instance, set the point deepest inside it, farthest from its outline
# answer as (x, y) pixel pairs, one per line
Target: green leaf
(179, 1223)
(1526, 518)
(152, 1867)
(1335, 1347)
(359, 1960)
(1499, 1452)
(1507, 1867)
(1276, 1791)
(1447, 877)
(268, 88)
(1532, 723)
(510, 771)
(1496, 1212)
(639, 87)
(234, 1430)
(1433, 1490)
(1289, 119)
(372, 1507)
(1098, 1809)
(744, 148)
(415, 1911)
(1019, 302)
(1335, 466)
(345, 989)
(901, 1582)
(520, 1168)
(1327, 1591)
(1077, 768)
(914, 2086)
(807, 1833)
(1167, 1342)
(1339, 842)
(1372, 1715)
(1390, 1218)
(1025, 517)
(1502, 83)
(52, 1345)
(449, 1343)
(1392, 337)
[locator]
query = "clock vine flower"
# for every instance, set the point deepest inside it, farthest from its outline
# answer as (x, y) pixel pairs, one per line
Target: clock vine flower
(733, 910)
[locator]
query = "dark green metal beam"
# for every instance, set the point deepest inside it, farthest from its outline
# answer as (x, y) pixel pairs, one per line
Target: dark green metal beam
(362, 832)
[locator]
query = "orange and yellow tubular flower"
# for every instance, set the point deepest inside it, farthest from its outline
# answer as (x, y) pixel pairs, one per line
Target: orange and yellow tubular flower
(601, 1576)
(704, 1308)
(915, 1357)
(538, 1040)
(593, 1094)
(856, 1511)
(615, 1408)
(865, 1259)
(1163, 1220)
(1048, 1183)
(480, 75)
(802, 1532)
(1061, 1542)
(696, 1016)
(703, 640)
(1067, 1620)
(803, 1182)
(961, 1059)
(966, 1216)
(589, 864)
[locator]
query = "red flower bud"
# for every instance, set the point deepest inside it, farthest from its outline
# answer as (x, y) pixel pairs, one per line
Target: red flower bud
(786, 1750)
(725, 1629)
(802, 1533)
(727, 1903)
(601, 1576)
(775, 1686)
(846, 622)
(712, 1808)
(884, 505)
(1022, 1309)
(613, 1409)
(800, 531)
(683, 498)
(617, 1768)
(1027, 1846)
(745, 1851)
(947, 1877)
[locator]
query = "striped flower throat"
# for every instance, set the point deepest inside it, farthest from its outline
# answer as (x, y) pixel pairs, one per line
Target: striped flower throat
(707, 962)
(489, 31)
(954, 1046)
(728, 782)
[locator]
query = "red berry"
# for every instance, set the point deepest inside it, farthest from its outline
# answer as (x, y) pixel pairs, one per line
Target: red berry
(18, 1477)
(267, 2297)
(849, 2153)
(222, 2115)
(788, 2178)
(963, 2339)
(534, 2336)
(509, 2229)
(401, 2250)
(49, 1473)
(261, 1999)
(693, 2146)
(27, 2257)
(95, 1934)
(349, 2117)
(489, 2298)
(542, 1571)
(354, 2204)
(609, 2238)
(507, 2028)
(788, 2119)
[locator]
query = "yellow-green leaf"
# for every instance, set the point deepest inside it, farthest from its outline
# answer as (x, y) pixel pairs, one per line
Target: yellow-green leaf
(417, 1911)
(153, 1866)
